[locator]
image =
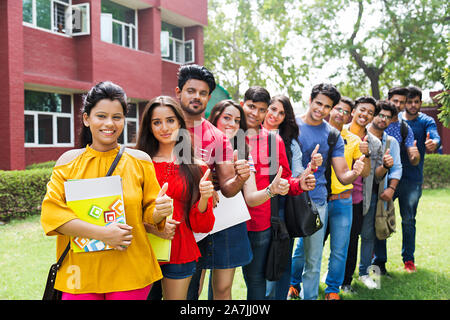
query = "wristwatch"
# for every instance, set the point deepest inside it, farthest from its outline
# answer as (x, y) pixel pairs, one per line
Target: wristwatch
(269, 193)
(368, 155)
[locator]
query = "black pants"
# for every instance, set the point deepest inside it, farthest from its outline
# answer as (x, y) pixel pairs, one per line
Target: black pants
(352, 252)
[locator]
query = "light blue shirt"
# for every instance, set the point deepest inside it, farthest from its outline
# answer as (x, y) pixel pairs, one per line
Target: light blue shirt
(296, 165)
(396, 171)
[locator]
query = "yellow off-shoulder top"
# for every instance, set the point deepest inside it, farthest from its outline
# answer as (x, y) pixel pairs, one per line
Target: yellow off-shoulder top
(109, 270)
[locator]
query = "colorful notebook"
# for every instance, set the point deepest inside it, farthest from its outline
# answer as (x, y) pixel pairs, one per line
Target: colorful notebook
(98, 201)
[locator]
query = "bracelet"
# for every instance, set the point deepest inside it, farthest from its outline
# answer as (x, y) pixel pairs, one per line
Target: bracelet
(387, 168)
(391, 187)
(313, 170)
(269, 193)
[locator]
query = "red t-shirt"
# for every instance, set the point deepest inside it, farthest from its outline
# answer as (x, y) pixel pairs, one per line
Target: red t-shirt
(210, 144)
(184, 246)
(259, 149)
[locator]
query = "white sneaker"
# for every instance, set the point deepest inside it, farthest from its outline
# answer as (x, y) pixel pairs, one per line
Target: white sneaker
(368, 282)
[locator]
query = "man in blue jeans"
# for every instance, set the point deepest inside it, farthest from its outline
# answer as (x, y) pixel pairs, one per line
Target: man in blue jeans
(403, 133)
(340, 204)
(307, 258)
(409, 189)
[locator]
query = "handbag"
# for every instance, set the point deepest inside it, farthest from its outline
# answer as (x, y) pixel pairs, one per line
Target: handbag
(50, 293)
(384, 216)
(279, 249)
(301, 215)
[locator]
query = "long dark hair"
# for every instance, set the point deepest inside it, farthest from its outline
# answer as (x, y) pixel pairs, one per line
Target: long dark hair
(102, 90)
(214, 116)
(147, 142)
(288, 129)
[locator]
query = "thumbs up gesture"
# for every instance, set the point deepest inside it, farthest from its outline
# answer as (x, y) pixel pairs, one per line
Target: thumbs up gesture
(413, 151)
(316, 158)
(279, 185)
(241, 167)
(358, 166)
(163, 205)
(388, 161)
(205, 186)
(364, 146)
(430, 144)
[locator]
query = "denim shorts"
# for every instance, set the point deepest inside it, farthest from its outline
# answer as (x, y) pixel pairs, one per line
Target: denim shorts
(178, 271)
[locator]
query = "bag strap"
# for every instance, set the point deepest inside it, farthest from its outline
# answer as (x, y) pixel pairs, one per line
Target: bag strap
(381, 185)
(110, 171)
(333, 137)
(116, 161)
(271, 140)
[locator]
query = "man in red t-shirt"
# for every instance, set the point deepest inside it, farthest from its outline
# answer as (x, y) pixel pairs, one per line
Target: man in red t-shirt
(255, 105)
(195, 85)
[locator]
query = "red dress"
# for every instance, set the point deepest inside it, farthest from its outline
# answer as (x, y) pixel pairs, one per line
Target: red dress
(184, 246)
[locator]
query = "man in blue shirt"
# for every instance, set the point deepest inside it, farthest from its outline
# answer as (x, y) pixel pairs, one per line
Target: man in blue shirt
(401, 131)
(409, 189)
(314, 130)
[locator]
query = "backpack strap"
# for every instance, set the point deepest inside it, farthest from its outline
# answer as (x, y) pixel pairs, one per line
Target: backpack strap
(333, 137)
(404, 132)
(273, 163)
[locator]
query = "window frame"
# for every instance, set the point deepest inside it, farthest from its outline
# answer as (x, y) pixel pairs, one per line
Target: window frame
(55, 116)
(68, 18)
(123, 26)
(125, 128)
(174, 48)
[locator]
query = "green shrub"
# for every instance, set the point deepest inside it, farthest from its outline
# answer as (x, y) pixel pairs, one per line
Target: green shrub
(22, 192)
(42, 165)
(436, 171)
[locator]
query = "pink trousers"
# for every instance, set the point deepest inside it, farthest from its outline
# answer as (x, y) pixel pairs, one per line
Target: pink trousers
(138, 294)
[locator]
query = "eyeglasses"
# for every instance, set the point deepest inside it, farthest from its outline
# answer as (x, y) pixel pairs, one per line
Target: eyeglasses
(342, 111)
(384, 117)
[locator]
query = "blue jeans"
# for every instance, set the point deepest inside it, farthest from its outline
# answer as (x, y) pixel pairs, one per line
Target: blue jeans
(368, 237)
(340, 215)
(307, 259)
(408, 194)
(254, 272)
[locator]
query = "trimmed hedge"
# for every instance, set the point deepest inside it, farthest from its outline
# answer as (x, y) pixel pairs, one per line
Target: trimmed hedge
(22, 192)
(436, 171)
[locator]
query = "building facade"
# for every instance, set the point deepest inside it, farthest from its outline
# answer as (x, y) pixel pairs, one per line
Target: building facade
(53, 51)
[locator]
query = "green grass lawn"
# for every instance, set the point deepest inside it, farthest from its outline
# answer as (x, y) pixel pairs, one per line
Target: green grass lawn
(26, 255)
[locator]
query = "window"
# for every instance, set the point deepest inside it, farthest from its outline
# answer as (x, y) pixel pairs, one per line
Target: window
(48, 119)
(119, 24)
(57, 16)
(130, 130)
(173, 46)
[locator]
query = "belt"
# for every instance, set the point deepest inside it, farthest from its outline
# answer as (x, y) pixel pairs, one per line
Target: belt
(343, 195)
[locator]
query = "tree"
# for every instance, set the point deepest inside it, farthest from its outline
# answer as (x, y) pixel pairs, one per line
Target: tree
(390, 42)
(244, 47)
(444, 100)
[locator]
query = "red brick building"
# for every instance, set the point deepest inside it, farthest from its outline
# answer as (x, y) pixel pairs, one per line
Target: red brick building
(53, 51)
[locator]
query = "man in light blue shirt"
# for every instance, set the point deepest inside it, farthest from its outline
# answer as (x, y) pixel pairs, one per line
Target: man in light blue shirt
(391, 166)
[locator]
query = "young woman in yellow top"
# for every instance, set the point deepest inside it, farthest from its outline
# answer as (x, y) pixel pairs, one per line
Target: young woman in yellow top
(127, 271)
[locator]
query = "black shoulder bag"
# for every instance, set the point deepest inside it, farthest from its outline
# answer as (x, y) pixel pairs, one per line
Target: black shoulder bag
(279, 250)
(301, 215)
(50, 292)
